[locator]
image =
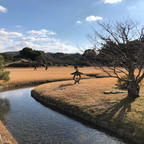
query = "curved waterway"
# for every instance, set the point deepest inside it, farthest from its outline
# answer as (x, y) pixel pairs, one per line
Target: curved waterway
(32, 123)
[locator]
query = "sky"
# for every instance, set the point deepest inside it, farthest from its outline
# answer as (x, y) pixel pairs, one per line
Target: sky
(59, 25)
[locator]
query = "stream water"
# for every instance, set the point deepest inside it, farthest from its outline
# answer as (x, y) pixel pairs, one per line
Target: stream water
(32, 123)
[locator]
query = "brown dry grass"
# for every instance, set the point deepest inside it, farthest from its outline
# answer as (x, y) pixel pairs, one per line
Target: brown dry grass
(6, 136)
(116, 109)
(87, 93)
(20, 75)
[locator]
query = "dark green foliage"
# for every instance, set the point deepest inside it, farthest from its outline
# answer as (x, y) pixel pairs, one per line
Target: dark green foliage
(90, 54)
(7, 57)
(4, 75)
(112, 54)
(42, 59)
(108, 52)
(64, 59)
(30, 53)
(89, 57)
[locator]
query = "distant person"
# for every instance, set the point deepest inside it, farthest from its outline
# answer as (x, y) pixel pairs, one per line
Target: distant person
(75, 67)
(35, 67)
(46, 67)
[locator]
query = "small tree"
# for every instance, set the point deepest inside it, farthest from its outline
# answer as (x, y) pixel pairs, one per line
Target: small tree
(89, 57)
(4, 75)
(120, 49)
(30, 53)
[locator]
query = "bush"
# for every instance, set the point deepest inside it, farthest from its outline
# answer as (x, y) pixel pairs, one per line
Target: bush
(4, 75)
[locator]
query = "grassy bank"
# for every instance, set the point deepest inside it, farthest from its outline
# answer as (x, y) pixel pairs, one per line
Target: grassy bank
(5, 136)
(114, 112)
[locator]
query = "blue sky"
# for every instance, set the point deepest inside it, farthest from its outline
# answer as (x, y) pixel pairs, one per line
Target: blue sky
(59, 25)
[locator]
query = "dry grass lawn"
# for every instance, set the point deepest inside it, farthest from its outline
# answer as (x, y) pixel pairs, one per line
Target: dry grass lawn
(21, 75)
(88, 94)
(118, 110)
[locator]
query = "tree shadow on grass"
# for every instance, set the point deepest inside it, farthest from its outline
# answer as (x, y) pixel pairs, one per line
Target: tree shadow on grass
(63, 86)
(118, 110)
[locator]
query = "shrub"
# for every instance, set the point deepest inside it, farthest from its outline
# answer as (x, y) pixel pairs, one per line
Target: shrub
(4, 75)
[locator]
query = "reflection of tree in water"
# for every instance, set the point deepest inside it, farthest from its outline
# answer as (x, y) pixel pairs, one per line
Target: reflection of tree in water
(4, 108)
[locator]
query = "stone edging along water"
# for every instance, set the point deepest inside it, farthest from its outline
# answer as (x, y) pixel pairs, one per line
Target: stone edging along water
(79, 113)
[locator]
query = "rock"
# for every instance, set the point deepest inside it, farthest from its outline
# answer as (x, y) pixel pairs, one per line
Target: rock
(107, 92)
(113, 92)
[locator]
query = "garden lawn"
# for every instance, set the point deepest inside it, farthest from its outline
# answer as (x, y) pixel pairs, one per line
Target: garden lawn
(120, 112)
(24, 75)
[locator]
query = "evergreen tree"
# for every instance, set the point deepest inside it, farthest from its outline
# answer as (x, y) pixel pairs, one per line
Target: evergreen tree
(4, 75)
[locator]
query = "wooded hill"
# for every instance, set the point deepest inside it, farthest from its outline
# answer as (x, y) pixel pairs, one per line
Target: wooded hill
(28, 57)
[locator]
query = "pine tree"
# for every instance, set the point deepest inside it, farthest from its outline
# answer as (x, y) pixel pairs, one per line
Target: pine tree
(4, 75)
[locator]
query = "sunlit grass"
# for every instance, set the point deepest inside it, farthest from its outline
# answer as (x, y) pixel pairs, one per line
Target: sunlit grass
(116, 109)
(5, 134)
(21, 75)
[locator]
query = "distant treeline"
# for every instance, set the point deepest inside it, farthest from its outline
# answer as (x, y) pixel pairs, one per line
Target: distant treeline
(28, 57)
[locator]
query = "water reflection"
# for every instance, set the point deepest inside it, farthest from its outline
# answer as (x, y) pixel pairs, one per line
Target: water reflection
(32, 123)
(4, 108)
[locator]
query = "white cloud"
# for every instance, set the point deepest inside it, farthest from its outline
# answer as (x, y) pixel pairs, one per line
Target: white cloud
(3, 9)
(4, 33)
(93, 18)
(42, 32)
(42, 40)
(112, 1)
(78, 22)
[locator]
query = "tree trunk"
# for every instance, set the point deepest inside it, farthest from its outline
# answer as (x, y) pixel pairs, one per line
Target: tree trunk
(133, 89)
(133, 86)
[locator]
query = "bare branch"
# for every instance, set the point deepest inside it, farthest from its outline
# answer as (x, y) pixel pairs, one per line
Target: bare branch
(140, 78)
(108, 73)
(122, 51)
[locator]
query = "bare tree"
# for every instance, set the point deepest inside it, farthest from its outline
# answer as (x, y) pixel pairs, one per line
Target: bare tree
(120, 49)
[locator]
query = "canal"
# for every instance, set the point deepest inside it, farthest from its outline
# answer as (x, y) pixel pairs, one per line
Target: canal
(32, 123)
